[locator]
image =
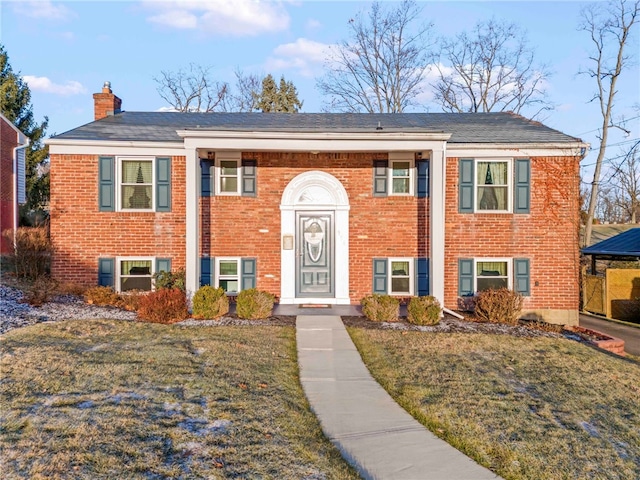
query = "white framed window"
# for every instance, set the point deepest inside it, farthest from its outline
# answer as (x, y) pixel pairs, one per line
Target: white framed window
(493, 184)
(228, 173)
(493, 273)
(401, 276)
(227, 274)
(134, 273)
(136, 179)
(401, 176)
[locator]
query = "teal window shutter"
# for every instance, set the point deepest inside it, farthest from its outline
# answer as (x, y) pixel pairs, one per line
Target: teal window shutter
(380, 178)
(106, 272)
(422, 183)
(163, 184)
(163, 265)
(466, 185)
(206, 271)
(522, 190)
(206, 178)
(249, 177)
(248, 273)
(106, 184)
(422, 277)
(465, 277)
(380, 275)
(522, 275)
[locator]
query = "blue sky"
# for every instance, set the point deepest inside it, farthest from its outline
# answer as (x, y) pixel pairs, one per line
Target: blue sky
(67, 49)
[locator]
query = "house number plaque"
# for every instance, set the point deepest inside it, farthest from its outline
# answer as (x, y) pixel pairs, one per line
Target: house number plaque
(287, 242)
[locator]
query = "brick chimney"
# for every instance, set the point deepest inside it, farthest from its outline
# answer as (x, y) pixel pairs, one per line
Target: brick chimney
(105, 103)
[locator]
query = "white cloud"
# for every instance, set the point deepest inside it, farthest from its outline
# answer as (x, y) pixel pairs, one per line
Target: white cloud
(44, 9)
(313, 24)
(43, 84)
(303, 55)
(220, 17)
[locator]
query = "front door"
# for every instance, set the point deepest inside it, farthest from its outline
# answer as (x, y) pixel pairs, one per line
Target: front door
(314, 254)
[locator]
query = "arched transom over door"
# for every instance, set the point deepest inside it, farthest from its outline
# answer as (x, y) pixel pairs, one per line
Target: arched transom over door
(315, 240)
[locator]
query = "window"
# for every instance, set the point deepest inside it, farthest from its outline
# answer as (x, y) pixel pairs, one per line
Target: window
(135, 274)
(400, 176)
(228, 177)
(400, 276)
(492, 186)
(492, 274)
(136, 184)
(228, 274)
(477, 274)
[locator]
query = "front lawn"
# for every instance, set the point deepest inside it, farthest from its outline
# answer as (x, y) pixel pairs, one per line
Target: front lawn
(111, 399)
(528, 408)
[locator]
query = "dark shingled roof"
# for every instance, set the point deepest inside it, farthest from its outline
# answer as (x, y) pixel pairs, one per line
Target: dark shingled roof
(626, 244)
(464, 127)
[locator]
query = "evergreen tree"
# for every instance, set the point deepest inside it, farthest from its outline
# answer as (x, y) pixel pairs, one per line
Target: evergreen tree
(15, 104)
(282, 99)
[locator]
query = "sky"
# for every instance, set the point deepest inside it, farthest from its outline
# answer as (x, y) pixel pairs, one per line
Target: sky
(66, 50)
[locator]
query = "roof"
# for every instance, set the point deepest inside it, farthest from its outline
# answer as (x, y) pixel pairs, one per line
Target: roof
(505, 128)
(626, 244)
(603, 231)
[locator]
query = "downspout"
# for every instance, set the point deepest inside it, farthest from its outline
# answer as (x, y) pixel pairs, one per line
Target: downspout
(15, 188)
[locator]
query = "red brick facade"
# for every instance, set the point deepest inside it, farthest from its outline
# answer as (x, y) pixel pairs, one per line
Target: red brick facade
(81, 234)
(9, 140)
(394, 226)
(547, 236)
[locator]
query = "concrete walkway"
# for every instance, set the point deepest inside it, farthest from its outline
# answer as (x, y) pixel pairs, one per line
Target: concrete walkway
(374, 433)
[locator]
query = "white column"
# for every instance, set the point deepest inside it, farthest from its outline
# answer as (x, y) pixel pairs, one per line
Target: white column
(192, 267)
(437, 188)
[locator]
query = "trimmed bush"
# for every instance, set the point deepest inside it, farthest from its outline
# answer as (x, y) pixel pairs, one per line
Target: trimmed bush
(170, 280)
(210, 303)
(499, 306)
(380, 308)
(424, 311)
(32, 255)
(167, 305)
(254, 304)
(101, 296)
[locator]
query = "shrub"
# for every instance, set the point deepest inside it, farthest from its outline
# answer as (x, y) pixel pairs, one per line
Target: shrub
(41, 291)
(499, 306)
(254, 304)
(32, 255)
(210, 303)
(167, 305)
(130, 300)
(170, 280)
(380, 308)
(101, 296)
(424, 310)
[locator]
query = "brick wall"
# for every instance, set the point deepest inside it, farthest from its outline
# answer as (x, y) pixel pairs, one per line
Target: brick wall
(8, 141)
(378, 227)
(81, 234)
(548, 236)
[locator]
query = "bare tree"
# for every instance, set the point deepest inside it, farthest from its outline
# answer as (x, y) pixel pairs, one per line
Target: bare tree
(243, 97)
(609, 30)
(192, 90)
(491, 69)
(624, 185)
(381, 67)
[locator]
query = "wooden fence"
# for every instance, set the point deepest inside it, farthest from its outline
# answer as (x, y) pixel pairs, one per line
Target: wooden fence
(616, 295)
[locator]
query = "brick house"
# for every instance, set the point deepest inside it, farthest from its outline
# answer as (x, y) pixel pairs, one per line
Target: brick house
(320, 208)
(12, 178)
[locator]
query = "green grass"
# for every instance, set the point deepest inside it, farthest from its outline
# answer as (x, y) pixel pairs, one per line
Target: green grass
(528, 408)
(107, 399)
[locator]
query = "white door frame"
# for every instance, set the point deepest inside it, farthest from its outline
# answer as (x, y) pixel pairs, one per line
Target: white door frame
(309, 191)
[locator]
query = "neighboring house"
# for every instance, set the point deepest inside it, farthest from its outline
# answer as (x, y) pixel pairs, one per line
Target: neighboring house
(604, 231)
(320, 208)
(12, 178)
